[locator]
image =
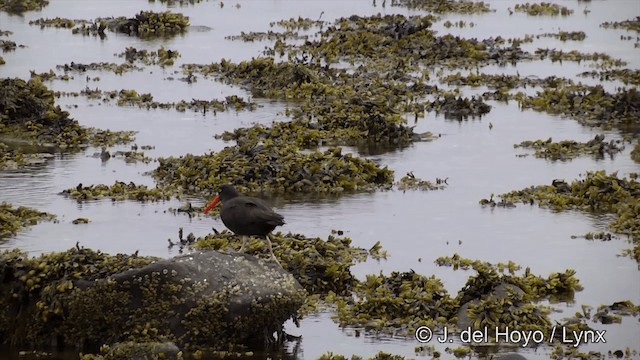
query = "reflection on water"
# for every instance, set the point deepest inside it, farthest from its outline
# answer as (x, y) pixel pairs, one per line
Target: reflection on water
(415, 227)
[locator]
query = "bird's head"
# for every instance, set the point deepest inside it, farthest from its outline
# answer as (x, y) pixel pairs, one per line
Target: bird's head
(227, 192)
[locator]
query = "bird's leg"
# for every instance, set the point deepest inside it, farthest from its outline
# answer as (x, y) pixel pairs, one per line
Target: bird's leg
(244, 243)
(273, 257)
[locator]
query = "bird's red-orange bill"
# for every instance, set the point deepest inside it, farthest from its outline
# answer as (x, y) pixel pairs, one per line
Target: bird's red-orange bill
(212, 204)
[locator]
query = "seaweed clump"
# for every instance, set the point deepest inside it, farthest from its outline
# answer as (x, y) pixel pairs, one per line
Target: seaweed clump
(272, 168)
(569, 149)
(162, 56)
(590, 105)
(379, 356)
(497, 296)
(149, 24)
(543, 8)
(5, 33)
(11, 158)
(179, 2)
(598, 192)
(635, 153)
(330, 100)
(411, 182)
(398, 303)
(28, 112)
(446, 6)
(626, 76)
(459, 108)
(21, 6)
(57, 22)
(631, 25)
(118, 191)
(130, 97)
(14, 219)
(566, 35)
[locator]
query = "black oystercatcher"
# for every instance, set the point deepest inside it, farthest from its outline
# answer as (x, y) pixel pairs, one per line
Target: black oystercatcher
(246, 216)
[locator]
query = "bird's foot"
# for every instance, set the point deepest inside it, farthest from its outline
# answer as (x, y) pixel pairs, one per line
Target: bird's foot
(273, 258)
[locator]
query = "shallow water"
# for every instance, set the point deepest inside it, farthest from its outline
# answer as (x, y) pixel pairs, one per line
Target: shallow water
(414, 227)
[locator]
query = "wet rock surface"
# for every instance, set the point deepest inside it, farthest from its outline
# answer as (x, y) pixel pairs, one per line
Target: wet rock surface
(84, 299)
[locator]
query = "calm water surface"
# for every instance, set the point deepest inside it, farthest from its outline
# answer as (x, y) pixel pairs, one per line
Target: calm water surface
(415, 227)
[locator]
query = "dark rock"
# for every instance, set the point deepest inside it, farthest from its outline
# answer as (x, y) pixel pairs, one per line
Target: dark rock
(206, 299)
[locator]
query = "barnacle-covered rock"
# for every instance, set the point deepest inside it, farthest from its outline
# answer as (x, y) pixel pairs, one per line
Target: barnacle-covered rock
(84, 299)
(13, 219)
(32, 290)
(273, 168)
(320, 266)
(569, 149)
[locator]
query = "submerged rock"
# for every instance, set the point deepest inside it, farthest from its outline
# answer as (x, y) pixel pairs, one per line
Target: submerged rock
(85, 299)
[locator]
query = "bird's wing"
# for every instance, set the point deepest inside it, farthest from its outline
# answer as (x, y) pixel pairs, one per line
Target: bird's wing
(260, 212)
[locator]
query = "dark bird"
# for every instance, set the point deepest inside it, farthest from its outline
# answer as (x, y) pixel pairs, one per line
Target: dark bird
(246, 216)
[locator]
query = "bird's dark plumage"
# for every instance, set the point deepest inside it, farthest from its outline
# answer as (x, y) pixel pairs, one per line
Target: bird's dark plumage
(245, 215)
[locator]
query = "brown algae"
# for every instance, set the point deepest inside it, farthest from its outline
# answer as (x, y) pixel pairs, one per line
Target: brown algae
(596, 192)
(14, 219)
